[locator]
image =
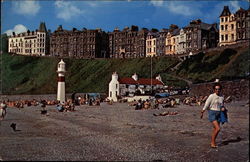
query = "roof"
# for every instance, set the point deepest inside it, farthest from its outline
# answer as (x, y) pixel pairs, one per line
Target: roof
(127, 81)
(202, 25)
(142, 81)
(176, 32)
(225, 12)
(42, 27)
(240, 10)
(147, 81)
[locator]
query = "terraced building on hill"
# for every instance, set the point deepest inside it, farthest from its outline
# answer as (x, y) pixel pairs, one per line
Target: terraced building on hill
(35, 43)
(83, 43)
(234, 27)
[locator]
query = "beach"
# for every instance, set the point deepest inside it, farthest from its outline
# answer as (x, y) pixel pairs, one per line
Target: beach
(119, 132)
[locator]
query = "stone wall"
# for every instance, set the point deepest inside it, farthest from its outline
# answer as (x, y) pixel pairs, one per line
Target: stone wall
(238, 89)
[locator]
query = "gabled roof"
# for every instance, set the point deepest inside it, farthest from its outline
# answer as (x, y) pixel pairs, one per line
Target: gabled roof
(147, 81)
(142, 81)
(127, 81)
(240, 10)
(202, 25)
(205, 26)
(176, 32)
(225, 12)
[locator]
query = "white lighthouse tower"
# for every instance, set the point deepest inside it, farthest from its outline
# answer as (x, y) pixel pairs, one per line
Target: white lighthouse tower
(61, 81)
(114, 88)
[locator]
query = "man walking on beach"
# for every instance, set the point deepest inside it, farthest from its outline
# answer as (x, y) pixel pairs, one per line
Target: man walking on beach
(3, 112)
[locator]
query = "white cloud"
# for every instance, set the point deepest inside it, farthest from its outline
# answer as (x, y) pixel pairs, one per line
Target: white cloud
(67, 10)
(235, 5)
(17, 29)
(157, 3)
(26, 7)
(93, 3)
(181, 9)
(178, 7)
(213, 15)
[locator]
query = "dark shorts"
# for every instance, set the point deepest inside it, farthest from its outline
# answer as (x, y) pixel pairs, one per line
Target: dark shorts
(214, 115)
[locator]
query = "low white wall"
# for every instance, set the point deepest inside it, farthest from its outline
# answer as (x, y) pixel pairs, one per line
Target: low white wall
(130, 99)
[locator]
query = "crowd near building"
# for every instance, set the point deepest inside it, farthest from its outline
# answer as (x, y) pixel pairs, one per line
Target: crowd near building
(132, 42)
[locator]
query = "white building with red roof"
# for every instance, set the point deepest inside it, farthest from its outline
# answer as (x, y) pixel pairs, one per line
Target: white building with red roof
(130, 86)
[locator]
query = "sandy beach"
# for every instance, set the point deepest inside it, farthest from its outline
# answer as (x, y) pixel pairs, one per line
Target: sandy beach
(118, 132)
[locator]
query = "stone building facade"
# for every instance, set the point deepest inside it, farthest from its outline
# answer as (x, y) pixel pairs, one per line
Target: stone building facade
(181, 42)
(242, 24)
(79, 43)
(128, 43)
(171, 41)
(234, 27)
(35, 43)
(227, 27)
(161, 42)
(200, 36)
(151, 44)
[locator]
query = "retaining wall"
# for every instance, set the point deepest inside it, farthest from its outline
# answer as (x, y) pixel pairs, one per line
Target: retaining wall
(237, 89)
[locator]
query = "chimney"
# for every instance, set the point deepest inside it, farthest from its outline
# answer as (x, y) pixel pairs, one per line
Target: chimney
(135, 77)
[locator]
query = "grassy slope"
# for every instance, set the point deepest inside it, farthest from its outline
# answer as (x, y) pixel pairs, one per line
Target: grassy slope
(226, 64)
(34, 75)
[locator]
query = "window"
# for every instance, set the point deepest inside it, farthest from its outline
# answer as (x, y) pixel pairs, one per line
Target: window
(222, 27)
(222, 19)
(232, 26)
(226, 37)
(226, 19)
(226, 27)
(232, 36)
(222, 37)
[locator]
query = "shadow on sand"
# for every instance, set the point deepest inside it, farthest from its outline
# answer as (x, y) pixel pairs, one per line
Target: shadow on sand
(226, 142)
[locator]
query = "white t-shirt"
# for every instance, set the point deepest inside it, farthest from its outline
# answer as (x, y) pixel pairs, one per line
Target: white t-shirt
(214, 102)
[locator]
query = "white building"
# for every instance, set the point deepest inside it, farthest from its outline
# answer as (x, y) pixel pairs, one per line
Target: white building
(30, 43)
(181, 42)
(131, 86)
(151, 44)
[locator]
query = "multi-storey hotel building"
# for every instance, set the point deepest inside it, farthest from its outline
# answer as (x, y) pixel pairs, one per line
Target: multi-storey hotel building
(30, 42)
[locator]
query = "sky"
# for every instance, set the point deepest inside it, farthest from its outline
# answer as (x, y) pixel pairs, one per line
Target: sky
(20, 16)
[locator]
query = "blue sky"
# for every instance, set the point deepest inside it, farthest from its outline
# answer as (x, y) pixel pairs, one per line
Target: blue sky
(19, 16)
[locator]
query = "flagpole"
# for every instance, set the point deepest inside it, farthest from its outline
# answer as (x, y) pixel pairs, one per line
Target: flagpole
(151, 74)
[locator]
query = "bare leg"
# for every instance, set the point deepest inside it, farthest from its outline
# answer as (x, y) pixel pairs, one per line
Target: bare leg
(215, 132)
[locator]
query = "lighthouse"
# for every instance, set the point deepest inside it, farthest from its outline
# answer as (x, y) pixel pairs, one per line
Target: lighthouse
(114, 87)
(61, 81)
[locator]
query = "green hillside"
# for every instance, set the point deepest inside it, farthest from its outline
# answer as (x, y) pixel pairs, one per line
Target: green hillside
(37, 75)
(226, 65)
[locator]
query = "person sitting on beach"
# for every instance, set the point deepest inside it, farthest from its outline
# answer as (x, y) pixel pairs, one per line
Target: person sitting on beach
(146, 104)
(166, 113)
(138, 105)
(60, 107)
(133, 103)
